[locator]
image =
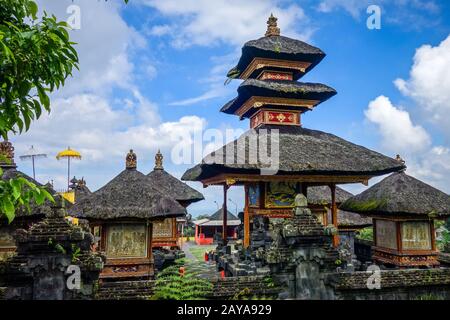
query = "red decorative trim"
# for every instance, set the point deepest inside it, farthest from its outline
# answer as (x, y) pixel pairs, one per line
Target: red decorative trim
(275, 117)
(276, 75)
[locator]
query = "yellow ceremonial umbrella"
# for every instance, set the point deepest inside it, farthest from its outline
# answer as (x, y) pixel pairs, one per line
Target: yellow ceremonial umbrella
(69, 154)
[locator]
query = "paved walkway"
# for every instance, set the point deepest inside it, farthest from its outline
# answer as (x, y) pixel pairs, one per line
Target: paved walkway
(194, 264)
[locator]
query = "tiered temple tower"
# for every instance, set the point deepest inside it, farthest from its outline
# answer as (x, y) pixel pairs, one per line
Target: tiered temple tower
(274, 100)
(271, 66)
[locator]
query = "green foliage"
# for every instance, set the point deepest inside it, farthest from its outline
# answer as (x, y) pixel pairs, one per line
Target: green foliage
(189, 232)
(170, 285)
(444, 243)
(429, 296)
(17, 194)
(36, 57)
(76, 251)
(199, 252)
(268, 281)
(365, 234)
(57, 246)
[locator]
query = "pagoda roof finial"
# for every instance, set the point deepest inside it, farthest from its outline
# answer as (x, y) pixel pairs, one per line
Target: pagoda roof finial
(401, 160)
(159, 161)
(272, 26)
(131, 160)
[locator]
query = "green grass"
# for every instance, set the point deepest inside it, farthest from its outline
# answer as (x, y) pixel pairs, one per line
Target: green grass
(199, 251)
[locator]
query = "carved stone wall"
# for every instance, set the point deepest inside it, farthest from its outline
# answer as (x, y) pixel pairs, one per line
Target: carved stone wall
(49, 256)
(406, 284)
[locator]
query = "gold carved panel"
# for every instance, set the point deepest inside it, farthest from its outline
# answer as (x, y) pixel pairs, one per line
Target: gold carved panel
(126, 241)
(163, 229)
(416, 235)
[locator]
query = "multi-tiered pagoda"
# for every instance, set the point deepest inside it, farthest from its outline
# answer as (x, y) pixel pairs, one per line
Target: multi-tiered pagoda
(274, 101)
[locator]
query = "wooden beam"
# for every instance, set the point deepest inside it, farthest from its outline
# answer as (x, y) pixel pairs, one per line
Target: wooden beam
(240, 179)
(246, 219)
(334, 217)
(256, 102)
(433, 236)
(260, 63)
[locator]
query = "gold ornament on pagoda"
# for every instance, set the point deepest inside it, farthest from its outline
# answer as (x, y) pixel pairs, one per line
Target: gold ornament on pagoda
(131, 160)
(272, 27)
(159, 161)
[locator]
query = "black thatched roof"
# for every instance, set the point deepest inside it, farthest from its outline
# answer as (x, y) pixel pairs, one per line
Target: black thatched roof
(128, 195)
(301, 151)
(400, 194)
(36, 210)
(278, 88)
(352, 220)
(81, 192)
(322, 195)
(218, 216)
(173, 187)
(278, 47)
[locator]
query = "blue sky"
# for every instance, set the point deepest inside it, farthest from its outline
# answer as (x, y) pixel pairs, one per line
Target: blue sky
(154, 70)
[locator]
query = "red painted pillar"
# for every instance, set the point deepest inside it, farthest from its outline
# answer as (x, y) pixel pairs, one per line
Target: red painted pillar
(225, 210)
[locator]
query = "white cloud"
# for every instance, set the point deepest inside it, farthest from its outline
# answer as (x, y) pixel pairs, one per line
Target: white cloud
(354, 7)
(231, 22)
(429, 83)
(431, 166)
(395, 126)
(206, 22)
(87, 114)
(103, 134)
(103, 43)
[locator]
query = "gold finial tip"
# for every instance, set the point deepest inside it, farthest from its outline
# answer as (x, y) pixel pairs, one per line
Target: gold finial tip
(131, 160)
(272, 26)
(159, 161)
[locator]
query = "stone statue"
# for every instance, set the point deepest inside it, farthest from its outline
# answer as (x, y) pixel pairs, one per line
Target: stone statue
(301, 205)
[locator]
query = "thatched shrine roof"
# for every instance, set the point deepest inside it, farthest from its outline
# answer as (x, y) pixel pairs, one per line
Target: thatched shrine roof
(280, 48)
(128, 195)
(301, 152)
(278, 89)
(400, 194)
(322, 195)
(218, 215)
(352, 220)
(81, 192)
(173, 187)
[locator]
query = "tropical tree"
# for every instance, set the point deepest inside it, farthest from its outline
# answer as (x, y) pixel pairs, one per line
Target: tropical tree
(36, 58)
